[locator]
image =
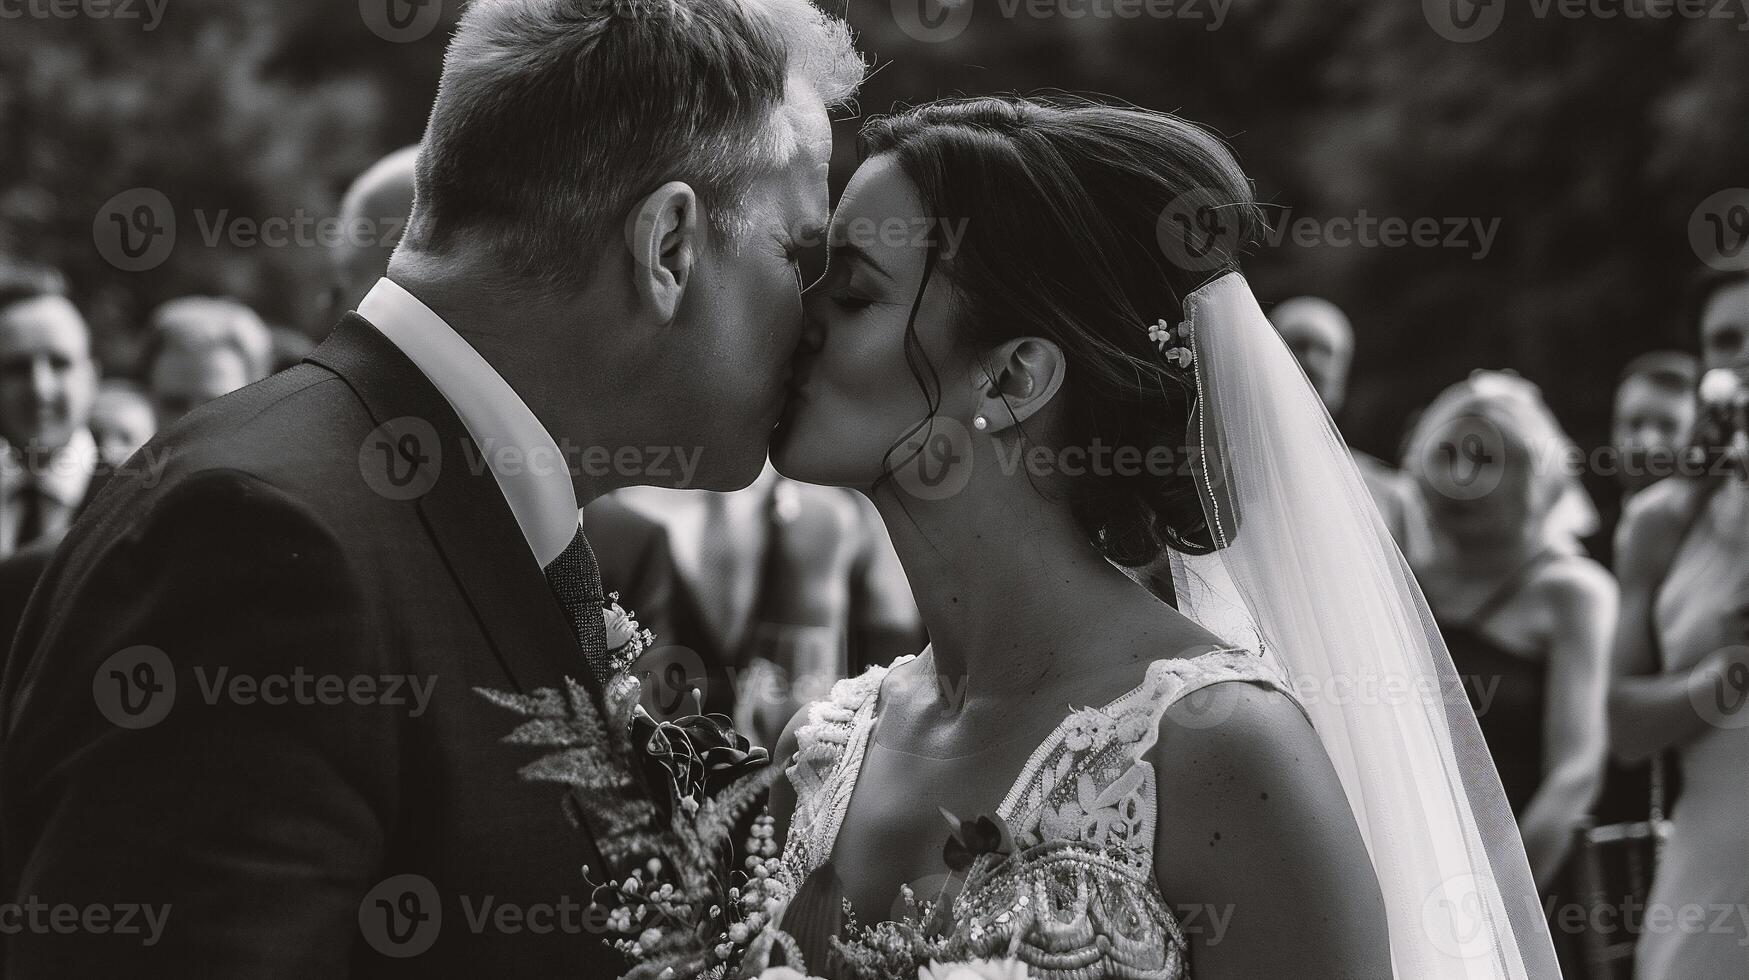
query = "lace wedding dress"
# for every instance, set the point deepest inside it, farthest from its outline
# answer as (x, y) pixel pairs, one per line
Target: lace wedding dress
(1077, 900)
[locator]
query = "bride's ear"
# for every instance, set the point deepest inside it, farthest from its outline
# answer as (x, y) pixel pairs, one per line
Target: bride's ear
(1020, 377)
(664, 238)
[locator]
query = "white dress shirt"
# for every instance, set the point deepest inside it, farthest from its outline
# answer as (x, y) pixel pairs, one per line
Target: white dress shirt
(537, 485)
(62, 484)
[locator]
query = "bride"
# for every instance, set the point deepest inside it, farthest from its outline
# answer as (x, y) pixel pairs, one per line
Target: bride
(1033, 352)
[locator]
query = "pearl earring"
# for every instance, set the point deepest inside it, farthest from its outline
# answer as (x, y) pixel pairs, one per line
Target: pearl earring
(980, 423)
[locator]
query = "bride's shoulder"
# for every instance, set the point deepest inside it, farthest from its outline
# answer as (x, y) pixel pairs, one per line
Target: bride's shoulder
(1244, 786)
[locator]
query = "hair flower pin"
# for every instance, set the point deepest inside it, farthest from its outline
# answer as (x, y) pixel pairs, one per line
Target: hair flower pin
(1173, 341)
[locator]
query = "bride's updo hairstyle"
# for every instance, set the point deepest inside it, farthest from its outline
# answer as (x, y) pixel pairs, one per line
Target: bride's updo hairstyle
(1069, 212)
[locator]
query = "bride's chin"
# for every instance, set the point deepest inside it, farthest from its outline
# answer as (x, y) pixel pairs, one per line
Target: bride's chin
(798, 451)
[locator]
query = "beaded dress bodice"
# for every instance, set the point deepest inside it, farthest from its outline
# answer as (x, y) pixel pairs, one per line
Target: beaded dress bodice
(1077, 898)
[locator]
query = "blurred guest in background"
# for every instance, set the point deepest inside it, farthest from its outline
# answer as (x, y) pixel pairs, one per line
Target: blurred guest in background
(122, 420)
(47, 382)
(1322, 340)
(785, 587)
(1653, 416)
(373, 214)
(1527, 617)
(1651, 422)
(1681, 668)
(198, 348)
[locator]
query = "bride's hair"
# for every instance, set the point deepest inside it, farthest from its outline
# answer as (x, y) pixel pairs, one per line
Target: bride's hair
(1068, 209)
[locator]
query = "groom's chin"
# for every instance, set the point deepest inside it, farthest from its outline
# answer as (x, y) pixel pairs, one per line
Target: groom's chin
(725, 468)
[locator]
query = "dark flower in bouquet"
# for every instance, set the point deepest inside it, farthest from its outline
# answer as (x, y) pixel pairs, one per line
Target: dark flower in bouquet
(693, 758)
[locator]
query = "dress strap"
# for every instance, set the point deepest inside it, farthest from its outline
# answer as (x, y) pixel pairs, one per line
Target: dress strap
(1090, 781)
(1507, 590)
(829, 751)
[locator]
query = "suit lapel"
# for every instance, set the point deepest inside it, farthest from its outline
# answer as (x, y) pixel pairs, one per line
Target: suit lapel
(464, 510)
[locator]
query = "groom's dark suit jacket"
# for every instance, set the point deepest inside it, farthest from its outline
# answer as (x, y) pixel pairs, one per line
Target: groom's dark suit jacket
(267, 829)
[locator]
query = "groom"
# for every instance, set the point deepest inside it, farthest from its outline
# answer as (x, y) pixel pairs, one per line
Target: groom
(241, 737)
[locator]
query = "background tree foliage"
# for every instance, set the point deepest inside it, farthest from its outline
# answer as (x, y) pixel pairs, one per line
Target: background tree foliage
(1590, 139)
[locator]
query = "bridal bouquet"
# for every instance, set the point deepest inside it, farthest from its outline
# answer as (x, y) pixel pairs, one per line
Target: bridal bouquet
(664, 802)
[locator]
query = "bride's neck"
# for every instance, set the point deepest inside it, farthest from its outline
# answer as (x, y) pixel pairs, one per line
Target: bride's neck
(1004, 587)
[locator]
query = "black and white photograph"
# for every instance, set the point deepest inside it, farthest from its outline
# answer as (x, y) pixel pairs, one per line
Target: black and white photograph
(874, 489)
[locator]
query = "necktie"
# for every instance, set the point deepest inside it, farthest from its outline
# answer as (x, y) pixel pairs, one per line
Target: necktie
(575, 579)
(30, 515)
(725, 566)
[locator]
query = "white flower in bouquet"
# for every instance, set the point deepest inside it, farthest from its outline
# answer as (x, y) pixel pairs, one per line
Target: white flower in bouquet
(784, 973)
(974, 970)
(621, 627)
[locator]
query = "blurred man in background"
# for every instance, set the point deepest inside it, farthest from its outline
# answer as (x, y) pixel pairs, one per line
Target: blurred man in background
(373, 214)
(785, 587)
(1653, 416)
(47, 383)
(122, 420)
(198, 348)
(1652, 420)
(1322, 340)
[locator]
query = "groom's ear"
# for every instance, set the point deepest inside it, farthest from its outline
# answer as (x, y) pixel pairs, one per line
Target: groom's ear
(1020, 377)
(664, 239)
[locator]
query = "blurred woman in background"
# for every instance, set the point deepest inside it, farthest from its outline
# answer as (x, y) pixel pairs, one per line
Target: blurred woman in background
(1526, 615)
(1681, 672)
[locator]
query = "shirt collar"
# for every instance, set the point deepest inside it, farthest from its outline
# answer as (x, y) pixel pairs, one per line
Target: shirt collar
(533, 475)
(67, 476)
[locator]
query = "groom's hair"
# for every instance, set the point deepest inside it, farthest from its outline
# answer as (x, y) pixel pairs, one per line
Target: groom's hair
(553, 117)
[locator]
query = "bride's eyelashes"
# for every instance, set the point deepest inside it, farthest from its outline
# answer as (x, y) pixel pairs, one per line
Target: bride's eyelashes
(851, 303)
